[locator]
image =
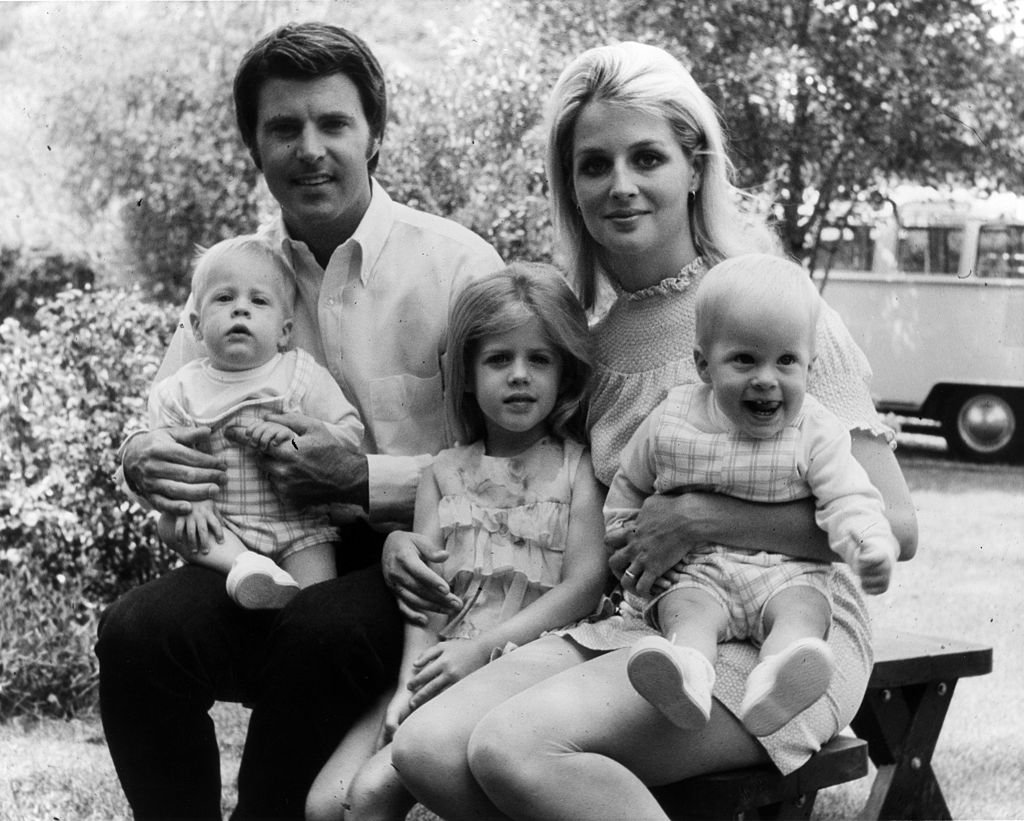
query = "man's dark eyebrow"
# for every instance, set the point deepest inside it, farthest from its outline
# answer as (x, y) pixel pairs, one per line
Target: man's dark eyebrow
(278, 120)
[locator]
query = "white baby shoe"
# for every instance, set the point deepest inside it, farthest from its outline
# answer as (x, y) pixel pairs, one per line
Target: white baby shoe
(255, 582)
(785, 684)
(676, 680)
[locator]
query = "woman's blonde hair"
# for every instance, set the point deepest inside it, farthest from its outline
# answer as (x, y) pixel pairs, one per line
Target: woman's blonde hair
(502, 302)
(646, 79)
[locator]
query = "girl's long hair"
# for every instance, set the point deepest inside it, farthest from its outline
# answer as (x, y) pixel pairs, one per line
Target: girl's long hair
(504, 301)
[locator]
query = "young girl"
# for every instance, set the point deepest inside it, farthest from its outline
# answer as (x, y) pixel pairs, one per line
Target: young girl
(518, 511)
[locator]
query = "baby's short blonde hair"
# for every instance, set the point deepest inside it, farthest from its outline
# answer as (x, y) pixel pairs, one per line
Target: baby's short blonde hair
(759, 279)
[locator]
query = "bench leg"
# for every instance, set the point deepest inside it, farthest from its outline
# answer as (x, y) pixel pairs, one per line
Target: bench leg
(901, 726)
(796, 809)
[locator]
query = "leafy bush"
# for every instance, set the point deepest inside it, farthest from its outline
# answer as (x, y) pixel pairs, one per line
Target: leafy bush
(29, 277)
(47, 666)
(164, 148)
(68, 395)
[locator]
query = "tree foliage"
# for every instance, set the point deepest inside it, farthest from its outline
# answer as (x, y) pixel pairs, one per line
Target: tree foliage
(156, 140)
(825, 99)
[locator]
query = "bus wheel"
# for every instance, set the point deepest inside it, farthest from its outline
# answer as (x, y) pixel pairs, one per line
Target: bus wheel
(983, 425)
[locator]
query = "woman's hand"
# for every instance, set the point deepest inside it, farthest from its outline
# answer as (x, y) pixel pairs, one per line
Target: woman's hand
(171, 468)
(417, 588)
(311, 466)
(664, 534)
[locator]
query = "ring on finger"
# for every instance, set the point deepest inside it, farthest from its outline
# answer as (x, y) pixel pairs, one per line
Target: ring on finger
(629, 573)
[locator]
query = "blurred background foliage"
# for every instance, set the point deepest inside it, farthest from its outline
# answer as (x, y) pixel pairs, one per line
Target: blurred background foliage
(119, 156)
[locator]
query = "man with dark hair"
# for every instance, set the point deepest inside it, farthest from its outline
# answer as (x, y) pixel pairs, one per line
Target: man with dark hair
(374, 280)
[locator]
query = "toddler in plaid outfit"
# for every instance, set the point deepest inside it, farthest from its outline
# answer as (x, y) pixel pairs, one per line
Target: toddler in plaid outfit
(268, 548)
(748, 429)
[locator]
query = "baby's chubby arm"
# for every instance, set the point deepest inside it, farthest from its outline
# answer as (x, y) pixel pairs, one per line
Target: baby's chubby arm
(265, 434)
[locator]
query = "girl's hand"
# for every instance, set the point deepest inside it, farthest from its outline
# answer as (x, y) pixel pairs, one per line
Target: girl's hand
(419, 589)
(444, 664)
(397, 711)
(264, 435)
(171, 467)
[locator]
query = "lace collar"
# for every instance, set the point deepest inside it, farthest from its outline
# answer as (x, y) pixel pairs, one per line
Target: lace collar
(675, 284)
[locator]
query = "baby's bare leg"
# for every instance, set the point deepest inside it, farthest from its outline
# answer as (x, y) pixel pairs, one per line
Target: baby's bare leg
(796, 664)
(220, 556)
(312, 564)
(795, 613)
(676, 673)
(690, 617)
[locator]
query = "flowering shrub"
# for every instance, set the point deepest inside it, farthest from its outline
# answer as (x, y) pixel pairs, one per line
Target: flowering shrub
(68, 394)
(48, 627)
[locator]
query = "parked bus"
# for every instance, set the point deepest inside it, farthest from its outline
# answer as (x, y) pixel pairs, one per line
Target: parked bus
(933, 291)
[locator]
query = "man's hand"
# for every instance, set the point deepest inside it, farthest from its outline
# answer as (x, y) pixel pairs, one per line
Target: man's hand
(311, 467)
(417, 588)
(171, 467)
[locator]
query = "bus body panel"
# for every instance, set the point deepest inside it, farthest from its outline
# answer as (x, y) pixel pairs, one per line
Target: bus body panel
(920, 331)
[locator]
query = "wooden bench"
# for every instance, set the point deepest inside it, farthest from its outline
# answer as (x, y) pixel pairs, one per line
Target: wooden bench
(898, 725)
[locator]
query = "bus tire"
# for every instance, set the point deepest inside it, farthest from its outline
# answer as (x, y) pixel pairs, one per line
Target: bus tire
(983, 424)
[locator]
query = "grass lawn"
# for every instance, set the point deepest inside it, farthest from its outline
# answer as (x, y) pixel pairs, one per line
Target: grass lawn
(967, 580)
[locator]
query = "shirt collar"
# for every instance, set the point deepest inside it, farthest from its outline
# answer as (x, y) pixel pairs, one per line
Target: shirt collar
(371, 234)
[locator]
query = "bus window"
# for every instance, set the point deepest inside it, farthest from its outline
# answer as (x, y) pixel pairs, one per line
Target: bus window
(1001, 252)
(853, 250)
(930, 250)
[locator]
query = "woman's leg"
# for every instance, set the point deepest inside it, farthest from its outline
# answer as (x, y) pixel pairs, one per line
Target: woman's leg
(430, 747)
(583, 744)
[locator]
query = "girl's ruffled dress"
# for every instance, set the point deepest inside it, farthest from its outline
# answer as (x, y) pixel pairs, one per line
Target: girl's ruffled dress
(504, 521)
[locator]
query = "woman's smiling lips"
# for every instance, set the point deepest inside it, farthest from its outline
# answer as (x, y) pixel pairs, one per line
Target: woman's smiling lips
(625, 216)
